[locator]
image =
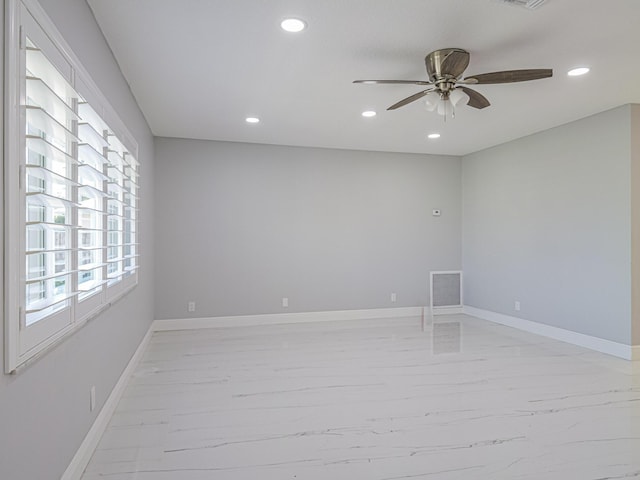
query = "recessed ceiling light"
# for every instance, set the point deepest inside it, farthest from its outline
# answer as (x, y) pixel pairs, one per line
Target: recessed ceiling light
(293, 25)
(252, 120)
(369, 113)
(433, 136)
(577, 71)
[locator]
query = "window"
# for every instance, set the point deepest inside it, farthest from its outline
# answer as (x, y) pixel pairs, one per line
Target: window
(71, 178)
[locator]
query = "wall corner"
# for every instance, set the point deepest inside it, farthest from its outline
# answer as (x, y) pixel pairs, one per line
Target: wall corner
(634, 178)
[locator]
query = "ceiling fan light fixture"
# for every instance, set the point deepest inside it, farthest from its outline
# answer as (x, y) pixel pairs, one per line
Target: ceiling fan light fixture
(576, 72)
(445, 107)
(433, 136)
(252, 120)
(444, 103)
(293, 25)
(369, 114)
(431, 101)
(456, 96)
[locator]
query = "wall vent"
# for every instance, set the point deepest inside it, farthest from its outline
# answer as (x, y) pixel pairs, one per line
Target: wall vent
(528, 4)
(446, 292)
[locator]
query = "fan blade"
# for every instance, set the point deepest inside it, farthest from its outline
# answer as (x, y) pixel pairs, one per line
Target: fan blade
(412, 98)
(455, 63)
(509, 76)
(476, 99)
(399, 82)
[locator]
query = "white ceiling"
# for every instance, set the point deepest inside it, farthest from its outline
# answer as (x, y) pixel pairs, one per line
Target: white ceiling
(199, 67)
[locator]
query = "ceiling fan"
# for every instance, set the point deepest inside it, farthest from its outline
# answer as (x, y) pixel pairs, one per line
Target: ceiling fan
(446, 87)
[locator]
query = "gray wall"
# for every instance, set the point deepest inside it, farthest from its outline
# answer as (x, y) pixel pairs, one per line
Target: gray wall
(635, 222)
(239, 226)
(44, 410)
(547, 221)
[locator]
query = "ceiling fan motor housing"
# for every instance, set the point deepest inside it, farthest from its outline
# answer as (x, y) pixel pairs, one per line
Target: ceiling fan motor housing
(446, 64)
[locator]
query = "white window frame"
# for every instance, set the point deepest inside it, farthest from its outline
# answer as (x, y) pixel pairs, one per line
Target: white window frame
(26, 18)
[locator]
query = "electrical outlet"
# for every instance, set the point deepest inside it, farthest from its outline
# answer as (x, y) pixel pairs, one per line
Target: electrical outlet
(285, 302)
(191, 306)
(92, 398)
(516, 306)
(394, 297)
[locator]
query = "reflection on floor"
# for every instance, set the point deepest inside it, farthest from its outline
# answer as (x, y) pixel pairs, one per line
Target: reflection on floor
(373, 399)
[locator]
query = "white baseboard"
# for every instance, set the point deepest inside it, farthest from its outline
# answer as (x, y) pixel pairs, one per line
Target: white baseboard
(81, 459)
(621, 350)
(279, 318)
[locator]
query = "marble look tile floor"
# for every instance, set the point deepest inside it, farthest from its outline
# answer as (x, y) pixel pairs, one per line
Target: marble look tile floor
(387, 399)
